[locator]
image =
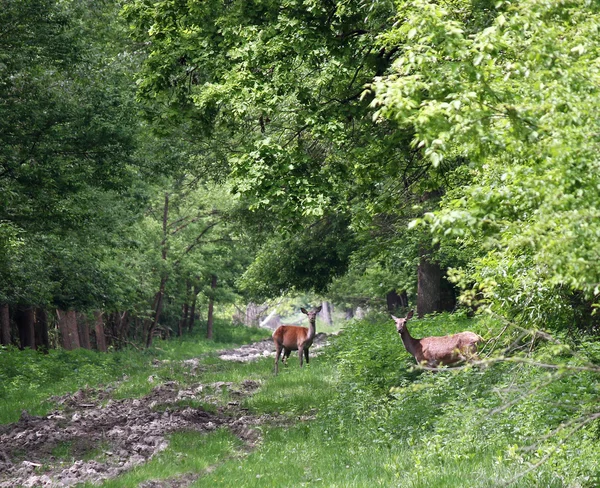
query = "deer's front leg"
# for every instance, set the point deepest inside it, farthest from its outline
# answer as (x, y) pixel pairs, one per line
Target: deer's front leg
(277, 354)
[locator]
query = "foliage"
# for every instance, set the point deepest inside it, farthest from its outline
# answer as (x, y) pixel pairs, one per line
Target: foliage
(68, 132)
(280, 85)
(516, 100)
(306, 260)
(494, 417)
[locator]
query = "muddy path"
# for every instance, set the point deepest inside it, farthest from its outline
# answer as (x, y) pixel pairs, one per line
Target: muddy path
(107, 437)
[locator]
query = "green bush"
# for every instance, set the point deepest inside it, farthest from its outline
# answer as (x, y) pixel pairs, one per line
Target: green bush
(501, 417)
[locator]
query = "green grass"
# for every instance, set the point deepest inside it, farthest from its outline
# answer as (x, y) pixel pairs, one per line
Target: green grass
(28, 379)
(189, 453)
(308, 455)
(361, 415)
(295, 390)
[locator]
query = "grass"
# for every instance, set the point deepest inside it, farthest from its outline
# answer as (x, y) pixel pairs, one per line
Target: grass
(295, 390)
(189, 454)
(360, 415)
(307, 455)
(29, 379)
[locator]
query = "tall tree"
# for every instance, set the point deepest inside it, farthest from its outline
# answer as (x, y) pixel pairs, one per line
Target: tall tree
(516, 100)
(4, 325)
(281, 86)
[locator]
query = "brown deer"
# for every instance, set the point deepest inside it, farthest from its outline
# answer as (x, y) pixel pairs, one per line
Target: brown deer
(435, 351)
(290, 338)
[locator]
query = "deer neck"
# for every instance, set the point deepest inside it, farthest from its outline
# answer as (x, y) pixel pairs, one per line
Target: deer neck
(312, 330)
(409, 343)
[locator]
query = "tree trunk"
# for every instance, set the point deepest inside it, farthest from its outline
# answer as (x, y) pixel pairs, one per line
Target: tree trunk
(99, 329)
(395, 300)
(25, 319)
(158, 300)
(69, 335)
(63, 329)
(185, 309)
(123, 326)
(73, 328)
(209, 322)
(428, 286)
(83, 330)
(447, 296)
(253, 314)
(325, 313)
(41, 329)
(4, 325)
(136, 329)
(193, 310)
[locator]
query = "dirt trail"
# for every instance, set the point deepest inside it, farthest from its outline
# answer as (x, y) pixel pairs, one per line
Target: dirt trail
(109, 437)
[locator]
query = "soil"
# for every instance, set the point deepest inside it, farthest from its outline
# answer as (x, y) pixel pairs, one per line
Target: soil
(90, 437)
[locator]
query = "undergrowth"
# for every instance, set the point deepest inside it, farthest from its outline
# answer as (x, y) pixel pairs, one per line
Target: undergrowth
(386, 423)
(362, 413)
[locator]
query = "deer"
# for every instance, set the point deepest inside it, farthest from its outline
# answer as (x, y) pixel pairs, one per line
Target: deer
(435, 351)
(290, 338)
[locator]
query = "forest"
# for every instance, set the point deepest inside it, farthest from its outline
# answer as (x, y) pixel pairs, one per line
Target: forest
(177, 176)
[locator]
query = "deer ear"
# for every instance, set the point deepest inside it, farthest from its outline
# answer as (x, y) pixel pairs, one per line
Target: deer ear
(410, 314)
(303, 310)
(318, 309)
(395, 318)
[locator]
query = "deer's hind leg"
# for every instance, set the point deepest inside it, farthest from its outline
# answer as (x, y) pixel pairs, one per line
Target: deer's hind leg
(286, 355)
(277, 355)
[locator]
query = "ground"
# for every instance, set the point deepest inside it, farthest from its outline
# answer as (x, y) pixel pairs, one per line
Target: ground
(107, 437)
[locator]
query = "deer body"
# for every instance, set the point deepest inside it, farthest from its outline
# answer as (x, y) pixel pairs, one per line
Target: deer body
(436, 351)
(288, 338)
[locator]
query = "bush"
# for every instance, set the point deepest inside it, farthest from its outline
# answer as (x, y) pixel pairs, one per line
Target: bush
(499, 418)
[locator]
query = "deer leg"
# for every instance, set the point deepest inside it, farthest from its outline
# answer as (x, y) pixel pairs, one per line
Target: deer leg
(277, 354)
(471, 353)
(306, 355)
(286, 356)
(300, 354)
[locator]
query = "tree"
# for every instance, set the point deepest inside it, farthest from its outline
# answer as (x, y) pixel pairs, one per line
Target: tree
(281, 86)
(67, 131)
(189, 240)
(517, 101)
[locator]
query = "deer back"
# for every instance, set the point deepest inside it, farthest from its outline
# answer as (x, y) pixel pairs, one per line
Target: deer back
(447, 349)
(291, 336)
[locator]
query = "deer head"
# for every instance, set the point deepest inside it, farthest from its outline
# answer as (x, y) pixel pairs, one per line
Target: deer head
(312, 315)
(401, 323)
